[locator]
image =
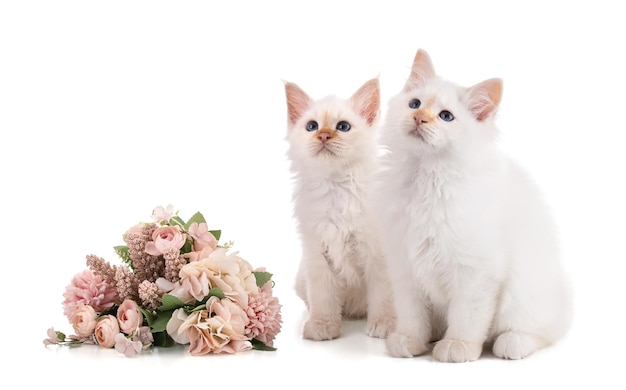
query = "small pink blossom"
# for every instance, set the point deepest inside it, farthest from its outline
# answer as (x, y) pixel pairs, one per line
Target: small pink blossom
(84, 321)
(127, 347)
(106, 330)
(53, 338)
(129, 317)
(163, 238)
(202, 238)
(144, 335)
(162, 215)
(87, 288)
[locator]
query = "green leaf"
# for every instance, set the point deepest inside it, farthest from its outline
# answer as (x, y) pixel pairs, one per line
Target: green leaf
(197, 217)
(176, 220)
(148, 315)
(216, 292)
(170, 302)
(259, 346)
(187, 247)
(160, 323)
(162, 339)
(216, 233)
(122, 252)
(262, 277)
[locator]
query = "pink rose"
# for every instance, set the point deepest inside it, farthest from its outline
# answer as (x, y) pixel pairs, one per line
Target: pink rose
(106, 330)
(84, 321)
(165, 237)
(129, 317)
(202, 238)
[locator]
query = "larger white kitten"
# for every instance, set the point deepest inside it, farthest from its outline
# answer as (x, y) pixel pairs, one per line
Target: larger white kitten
(472, 248)
(332, 149)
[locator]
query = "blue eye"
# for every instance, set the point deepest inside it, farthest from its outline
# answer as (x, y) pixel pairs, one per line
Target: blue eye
(343, 126)
(312, 126)
(446, 115)
(415, 104)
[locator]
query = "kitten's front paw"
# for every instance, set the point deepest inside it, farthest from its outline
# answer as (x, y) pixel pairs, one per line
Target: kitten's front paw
(318, 330)
(399, 345)
(379, 327)
(512, 345)
(456, 351)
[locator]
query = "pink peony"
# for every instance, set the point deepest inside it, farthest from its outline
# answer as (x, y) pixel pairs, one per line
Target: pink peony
(163, 238)
(84, 321)
(129, 317)
(264, 314)
(88, 288)
(106, 330)
(218, 329)
(202, 238)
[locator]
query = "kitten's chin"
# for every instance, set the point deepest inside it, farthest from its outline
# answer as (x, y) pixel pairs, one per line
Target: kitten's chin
(416, 133)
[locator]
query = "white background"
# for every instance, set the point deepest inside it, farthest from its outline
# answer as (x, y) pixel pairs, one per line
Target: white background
(108, 109)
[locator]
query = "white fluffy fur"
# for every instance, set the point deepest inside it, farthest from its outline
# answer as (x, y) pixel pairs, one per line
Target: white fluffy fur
(471, 246)
(340, 271)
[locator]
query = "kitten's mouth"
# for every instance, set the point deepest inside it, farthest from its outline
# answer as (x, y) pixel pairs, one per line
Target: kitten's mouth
(418, 134)
(324, 150)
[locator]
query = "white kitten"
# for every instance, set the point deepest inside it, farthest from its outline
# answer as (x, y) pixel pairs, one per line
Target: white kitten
(471, 246)
(332, 149)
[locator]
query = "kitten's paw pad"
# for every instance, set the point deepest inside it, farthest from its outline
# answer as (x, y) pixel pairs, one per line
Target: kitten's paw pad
(456, 351)
(379, 327)
(513, 345)
(319, 330)
(399, 345)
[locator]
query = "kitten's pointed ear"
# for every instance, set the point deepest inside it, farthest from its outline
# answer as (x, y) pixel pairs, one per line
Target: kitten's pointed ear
(366, 100)
(421, 71)
(483, 98)
(297, 102)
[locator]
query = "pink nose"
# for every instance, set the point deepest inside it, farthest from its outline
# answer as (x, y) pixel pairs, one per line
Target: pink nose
(419, 118)
(324, 136)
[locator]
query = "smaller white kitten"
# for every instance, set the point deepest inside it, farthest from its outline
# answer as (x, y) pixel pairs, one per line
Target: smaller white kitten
(471, 245)
(332, 150)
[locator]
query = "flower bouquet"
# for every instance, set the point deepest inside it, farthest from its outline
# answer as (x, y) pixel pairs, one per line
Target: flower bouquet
(176, 285)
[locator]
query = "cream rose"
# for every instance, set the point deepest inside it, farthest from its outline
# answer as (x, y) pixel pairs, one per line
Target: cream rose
(84, 321)
(129, 317)
(232, 274)
(177, 319)
(106, 330)
(219, 328)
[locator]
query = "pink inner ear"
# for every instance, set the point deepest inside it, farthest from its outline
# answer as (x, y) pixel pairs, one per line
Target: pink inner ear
(421, 71)
(297, 102)
(484, 98)
(367, 100)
